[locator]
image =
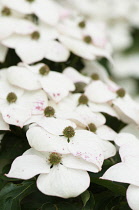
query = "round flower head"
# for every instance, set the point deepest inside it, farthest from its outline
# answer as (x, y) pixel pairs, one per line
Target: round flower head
(35, 35)
(87, 39)
(95, 76)
(79, 87)
(6, 11)
(44, 70)
(54, 158)
(47, 11)
(92, 127)
(82, 24)
(11, 97)
(121, 92)
(83, 100)
(68, 132)
(49, 111)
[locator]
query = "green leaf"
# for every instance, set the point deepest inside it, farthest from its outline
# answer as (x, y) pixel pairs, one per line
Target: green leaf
(60, 206)
(85, 197)
(114, 187)
(90, 203)
(13, 146)
(103, 199)
(12, 194)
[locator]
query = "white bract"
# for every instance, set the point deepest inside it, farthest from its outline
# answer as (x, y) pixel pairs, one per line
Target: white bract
(87, 41)
(38, 45)
(17, 106)
(47, 11)
(60, 175)
(127, 109)
(127, 171)
(57, 135)
(55, 84)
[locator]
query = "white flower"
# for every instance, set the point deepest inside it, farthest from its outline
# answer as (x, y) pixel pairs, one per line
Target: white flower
(128, 170)
(10, 25)
(47, 11)
(94, 68)
(60, 175)
(87, 41)
(17, 106)
(55, 84)
(71, 104)
(57, 135)
(127, 108)
(38, 45)
(84, 119)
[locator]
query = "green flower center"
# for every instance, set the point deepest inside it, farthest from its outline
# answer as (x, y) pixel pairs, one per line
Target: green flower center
(44, 70)
(11, 97)
(82, 24)
(83, 99)
(6, 11)
(49, 111)
(91, 127)
(121, 92)
(30, 1)
(79, 87)
(35, 35)
(69, 132)
(95, 76)
(87, 39)
(55, 158)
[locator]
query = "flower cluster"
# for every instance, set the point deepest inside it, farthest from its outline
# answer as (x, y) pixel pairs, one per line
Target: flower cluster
(75, 122)
(64, 116)
(40, 29)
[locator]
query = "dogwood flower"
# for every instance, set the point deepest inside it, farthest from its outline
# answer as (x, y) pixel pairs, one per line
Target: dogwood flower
(60, 175)
(84, 119)
(10, 25)
(87, 42)
(71, 104)
(129, 152)
(17, 106)
(55, 84)
(60, 136)
(47, 11)
(38, 45)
